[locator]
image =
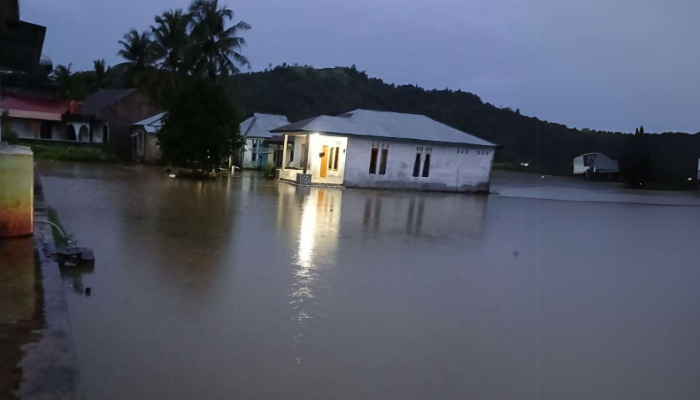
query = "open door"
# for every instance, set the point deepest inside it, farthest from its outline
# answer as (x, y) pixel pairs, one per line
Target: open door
(324, 162)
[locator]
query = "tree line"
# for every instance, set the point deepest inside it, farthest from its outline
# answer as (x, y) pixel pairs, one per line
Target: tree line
(197, 43)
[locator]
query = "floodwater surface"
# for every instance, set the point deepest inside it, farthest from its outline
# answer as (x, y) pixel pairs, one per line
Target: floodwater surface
(245, 288)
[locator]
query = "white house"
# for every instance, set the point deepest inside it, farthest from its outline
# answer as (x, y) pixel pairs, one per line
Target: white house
(590, 164)
(260, 148)
(387, 150)
(34, 118)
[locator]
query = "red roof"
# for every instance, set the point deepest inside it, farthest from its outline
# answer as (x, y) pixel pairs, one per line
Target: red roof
(10, 102)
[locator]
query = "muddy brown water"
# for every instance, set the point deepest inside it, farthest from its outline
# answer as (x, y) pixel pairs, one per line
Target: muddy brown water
(247, 288)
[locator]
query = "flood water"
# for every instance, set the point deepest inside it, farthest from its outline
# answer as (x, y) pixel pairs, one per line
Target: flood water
(245, 288)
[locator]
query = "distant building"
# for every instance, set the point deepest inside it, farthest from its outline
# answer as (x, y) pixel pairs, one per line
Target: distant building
(386, 150)
(145, 135)
(107, 116)
(597, 163)
(260, 149)
(34, 118)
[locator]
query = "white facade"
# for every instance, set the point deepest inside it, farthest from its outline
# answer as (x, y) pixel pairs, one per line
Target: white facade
(452, 168)
(387, 150)
(58, 130)
(255, 153)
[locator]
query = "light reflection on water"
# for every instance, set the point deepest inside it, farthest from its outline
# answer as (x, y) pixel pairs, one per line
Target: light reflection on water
(320, 222)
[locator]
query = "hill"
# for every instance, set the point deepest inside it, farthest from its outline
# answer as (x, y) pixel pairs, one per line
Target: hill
(303, 92)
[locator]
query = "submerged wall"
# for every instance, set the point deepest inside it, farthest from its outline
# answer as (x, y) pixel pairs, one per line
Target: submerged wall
(16, 191)
(452, 168)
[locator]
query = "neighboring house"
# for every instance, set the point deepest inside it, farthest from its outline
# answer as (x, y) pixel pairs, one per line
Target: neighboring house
(107, 116)
(387, 150)
(145, 134)
(590, 164)
(33, 118)
(260, 148)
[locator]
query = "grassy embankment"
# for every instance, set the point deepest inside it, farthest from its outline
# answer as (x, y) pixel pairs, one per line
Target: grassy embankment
(70, 153)
(59, 237)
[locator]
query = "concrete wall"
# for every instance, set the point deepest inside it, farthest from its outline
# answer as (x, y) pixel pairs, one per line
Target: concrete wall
(31, 128)
(147, 149)
(247, 159)
(452, 168)
(317, 143)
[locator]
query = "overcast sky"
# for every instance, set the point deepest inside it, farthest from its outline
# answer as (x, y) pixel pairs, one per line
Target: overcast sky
(601, 64)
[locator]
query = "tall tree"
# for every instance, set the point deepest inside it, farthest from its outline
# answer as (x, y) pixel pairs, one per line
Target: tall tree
(201, 129)
(216, 49)
(64, 79)
(641, 130)
(136, 50)
(170, 39)
(100, 73)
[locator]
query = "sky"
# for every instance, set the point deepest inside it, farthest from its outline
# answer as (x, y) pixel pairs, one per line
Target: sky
(597, 64)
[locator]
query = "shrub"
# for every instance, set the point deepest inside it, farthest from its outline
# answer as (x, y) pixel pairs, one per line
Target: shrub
(71, 153)
(10, 136)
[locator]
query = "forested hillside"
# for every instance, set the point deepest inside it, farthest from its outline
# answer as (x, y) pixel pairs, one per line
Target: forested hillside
(304, 92)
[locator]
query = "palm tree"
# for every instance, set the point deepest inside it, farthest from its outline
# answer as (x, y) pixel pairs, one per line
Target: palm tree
(170, 39)
(100, 73)
(63, 78)
(216, 49)
(136, 50)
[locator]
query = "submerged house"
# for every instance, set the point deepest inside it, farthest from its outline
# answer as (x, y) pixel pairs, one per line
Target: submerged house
(145, 136)
(260, 148)
(387, 150)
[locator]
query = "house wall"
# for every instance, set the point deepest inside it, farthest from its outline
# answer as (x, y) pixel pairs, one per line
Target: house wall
(31, 128)
(298, 142)
(247, 160)
(316, 148)
(25, 128)
(97, 131)
(152, 152)
(122, 115)
(452, 168)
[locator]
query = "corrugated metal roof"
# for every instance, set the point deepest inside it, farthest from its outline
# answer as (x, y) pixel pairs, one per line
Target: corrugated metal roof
(152, 124)
(384, 124)
(259, 125)
(102, 99)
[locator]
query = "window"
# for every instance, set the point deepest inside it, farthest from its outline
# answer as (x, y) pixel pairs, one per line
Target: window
(426, 166)
(335, 160)
(105, 134)
(416, 166)
(254, 157)
(373, 161)
(331, 154)
(382, 162)
(46, 130)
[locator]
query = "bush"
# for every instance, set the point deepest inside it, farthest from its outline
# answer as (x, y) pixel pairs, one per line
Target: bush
(269, 171)
(10, 136)
(71, 153)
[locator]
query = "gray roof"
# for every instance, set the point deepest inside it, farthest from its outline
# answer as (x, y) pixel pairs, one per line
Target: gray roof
(152, 124)
(259, 125)
(384, 124)
(102, 99)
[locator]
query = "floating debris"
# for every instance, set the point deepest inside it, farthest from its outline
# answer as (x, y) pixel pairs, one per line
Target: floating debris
(77, 256)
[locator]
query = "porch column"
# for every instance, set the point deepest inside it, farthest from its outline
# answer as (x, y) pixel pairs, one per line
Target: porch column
(284, 152)
(308, 147)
